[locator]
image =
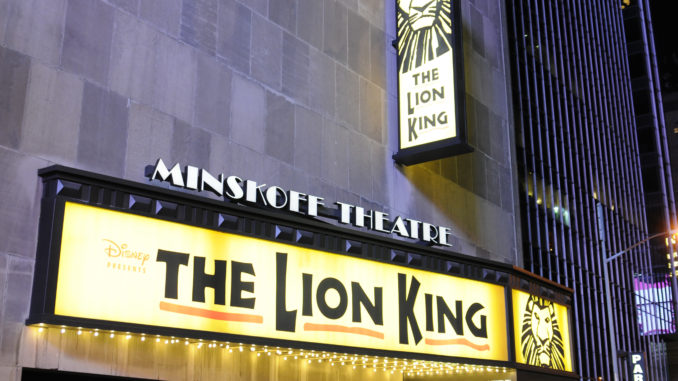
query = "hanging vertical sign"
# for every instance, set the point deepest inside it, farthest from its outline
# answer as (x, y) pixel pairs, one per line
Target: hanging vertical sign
(430, 81)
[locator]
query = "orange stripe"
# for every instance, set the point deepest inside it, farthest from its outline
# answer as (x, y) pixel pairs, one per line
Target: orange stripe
(343, 329)
(460, 341)
(228, 316)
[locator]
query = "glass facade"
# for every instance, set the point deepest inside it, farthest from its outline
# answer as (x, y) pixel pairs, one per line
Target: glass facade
(578, 152)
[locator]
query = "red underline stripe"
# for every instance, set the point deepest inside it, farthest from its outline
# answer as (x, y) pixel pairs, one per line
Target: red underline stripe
(343, 329)
(460, 341)
(217, 315)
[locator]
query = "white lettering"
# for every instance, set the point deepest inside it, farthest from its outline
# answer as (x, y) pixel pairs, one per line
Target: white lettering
(192, 177)
(379, 219)
(345, 215)
(294, 198)
(399, 227)
(272, 194)
(313, 203)
(174, 174)
(429, 232)
(361, 216)
(215, 185)
(251, 191)
(235, 190)
(414, 228)
(443, 234)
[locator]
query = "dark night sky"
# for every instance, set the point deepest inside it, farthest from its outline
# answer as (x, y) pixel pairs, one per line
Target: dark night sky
(666, 43)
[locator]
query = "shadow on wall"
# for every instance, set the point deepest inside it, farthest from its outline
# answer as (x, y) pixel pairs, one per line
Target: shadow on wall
(437, 197)
(443, 190)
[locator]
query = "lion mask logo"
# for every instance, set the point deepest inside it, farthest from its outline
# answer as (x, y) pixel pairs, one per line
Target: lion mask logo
(425, 29)
(541, 341)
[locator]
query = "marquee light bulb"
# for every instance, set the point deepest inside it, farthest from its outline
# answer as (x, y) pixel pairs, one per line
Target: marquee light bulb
(389, 364)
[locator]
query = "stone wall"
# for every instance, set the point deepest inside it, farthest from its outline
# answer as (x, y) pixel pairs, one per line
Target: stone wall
(297, 93)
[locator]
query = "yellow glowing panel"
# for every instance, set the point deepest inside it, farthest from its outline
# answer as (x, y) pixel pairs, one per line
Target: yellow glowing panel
(126, 268)
(425, 72)
(542, 332)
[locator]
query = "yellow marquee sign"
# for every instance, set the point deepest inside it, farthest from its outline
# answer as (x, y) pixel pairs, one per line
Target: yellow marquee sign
(126, 268)
(542, 332)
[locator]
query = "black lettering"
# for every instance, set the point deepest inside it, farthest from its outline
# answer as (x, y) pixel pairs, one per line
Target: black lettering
(438, 93)
(284, 320)
(406, 299)
(359, 297)
(329, 312)
(477, 332)
(410, 109)
(429, 312)
(444, 312)
(429, 121)
(201, 280)
(172, 262)
(307, 300)
(238, 286)
(411, 123)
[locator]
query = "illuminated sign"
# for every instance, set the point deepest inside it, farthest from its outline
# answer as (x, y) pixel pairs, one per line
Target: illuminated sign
(236, 189)
(653, 299)
(542, 332)
(430, 81)
(672, 259)
(127, 268)
(636, 366)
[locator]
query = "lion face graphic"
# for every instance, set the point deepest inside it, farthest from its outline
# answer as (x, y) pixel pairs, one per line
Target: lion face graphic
(425, 31)
(541, 340)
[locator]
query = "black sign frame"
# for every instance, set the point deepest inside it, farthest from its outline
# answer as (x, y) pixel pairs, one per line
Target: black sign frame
(62, 184)
(447, 147)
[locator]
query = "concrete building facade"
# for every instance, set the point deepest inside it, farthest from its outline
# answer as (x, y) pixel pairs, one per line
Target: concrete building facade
(297, 93)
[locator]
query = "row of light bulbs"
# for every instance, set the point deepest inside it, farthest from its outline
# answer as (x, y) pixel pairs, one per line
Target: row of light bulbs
(388, 364)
